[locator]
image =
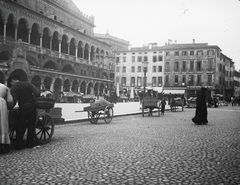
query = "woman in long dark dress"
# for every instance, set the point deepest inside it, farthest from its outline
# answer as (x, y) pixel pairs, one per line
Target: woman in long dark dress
(201, 108)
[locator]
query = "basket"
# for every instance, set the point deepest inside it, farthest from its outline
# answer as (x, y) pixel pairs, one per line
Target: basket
(44, 103)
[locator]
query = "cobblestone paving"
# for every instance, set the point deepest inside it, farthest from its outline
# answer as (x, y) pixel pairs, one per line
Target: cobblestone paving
(134, 150)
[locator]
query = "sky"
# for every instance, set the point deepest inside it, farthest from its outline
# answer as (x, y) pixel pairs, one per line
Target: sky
(216, 22)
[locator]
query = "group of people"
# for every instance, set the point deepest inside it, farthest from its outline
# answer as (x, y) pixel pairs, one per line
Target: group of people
(23, 94)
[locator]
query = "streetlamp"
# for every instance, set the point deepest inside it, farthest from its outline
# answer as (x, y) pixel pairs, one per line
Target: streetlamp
(145, 65)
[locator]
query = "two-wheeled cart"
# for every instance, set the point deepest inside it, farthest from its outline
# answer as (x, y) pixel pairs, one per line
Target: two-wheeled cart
(150, 103)
(44, 125)
(99, 111)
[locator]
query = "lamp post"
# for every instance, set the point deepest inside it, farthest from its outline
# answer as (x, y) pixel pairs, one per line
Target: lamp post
(145, 65)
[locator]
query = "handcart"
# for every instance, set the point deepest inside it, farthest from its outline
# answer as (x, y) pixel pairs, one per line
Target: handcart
(151, 103)
(177, 102)
(44, 125)
(99, 111)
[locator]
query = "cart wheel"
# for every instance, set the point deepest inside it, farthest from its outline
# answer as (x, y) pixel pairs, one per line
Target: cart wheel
(93, 116)
(11, 133)
(108, 114)
(44, 128)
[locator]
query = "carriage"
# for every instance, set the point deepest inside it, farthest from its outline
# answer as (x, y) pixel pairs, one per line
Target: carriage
(44, 125)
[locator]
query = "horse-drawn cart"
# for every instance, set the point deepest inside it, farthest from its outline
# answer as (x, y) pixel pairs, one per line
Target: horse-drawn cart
(150, 103)
(44, 125)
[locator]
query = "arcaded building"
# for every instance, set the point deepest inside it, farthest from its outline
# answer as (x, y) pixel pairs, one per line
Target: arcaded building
(51, 43)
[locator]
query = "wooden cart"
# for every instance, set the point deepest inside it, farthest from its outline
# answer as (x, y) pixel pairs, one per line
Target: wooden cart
(150, 103)
(97, 112)
(177, 102)
(44, 125)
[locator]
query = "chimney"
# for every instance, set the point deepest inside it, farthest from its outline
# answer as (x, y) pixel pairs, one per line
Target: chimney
(169, 41)
(150, 46)
(175, 41)
(193, 41)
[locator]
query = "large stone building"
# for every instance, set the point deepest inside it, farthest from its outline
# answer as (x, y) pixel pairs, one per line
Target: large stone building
(51, 43)
(130, 69)
(191, 66)
(177, 68)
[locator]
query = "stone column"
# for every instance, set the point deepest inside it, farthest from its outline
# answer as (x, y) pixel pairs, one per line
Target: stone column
(51, 43)
(59, 48)
(41, 36)
(52, 87)
(83, 53)
(29, 35)
(16, 31)
(4, 32)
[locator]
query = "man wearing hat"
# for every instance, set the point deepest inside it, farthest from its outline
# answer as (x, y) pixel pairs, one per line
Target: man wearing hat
(24, 93)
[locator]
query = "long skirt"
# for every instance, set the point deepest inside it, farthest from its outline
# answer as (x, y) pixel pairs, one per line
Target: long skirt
(4, 127)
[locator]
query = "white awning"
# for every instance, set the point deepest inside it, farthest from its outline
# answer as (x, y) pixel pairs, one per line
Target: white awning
(174, 91)
(158, 89)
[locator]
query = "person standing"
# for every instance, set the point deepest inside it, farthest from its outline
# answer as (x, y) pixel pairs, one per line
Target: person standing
(201, 108)
(6, 102)
(24, 93)
(163, 103)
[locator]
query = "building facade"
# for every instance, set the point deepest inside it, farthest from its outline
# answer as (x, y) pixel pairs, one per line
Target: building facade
(191, 66)
(51, 44)
(130, 70)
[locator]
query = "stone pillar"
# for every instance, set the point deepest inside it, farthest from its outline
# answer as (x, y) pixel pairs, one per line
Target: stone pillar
(68, 48)
(51, 43)
(76, 50)
(59, 48)
(29, 35)
(16, 31)
(4, 32)
(52, 87)
(83, 53)
(41, 36)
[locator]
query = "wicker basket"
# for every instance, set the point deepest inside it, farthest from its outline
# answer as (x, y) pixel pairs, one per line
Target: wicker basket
(44, 103)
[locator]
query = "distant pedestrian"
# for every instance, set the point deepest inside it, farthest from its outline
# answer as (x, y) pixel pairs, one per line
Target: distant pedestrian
(163, 103)
(201, 108)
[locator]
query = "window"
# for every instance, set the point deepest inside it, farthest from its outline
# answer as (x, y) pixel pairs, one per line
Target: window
(167, 79)
(184, 66)
(167, 66)
(190, 79)
(132, 81)
(191, 65)
(117, 79)
(176, 66)
(159, 81)
(210, 80)
(139, 69)
(159, 68)
(154, 81)
(124, 59)
(123, 81)
(199, 65)
(133, 58)
(139, 81)
(124, 69)
(199, 53)
(117, 69)
(184, 80)
(139, 59)
(210, 63)
(184, 53)
(154, 69)
(133, 69)
(176, 79)
(154, 58)
(160, 58)
(210, 52)
(167, 53)
(145, 58)
(191, 53)
(220, 67)
(117, 59)
(176, 53)
(199, 80)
